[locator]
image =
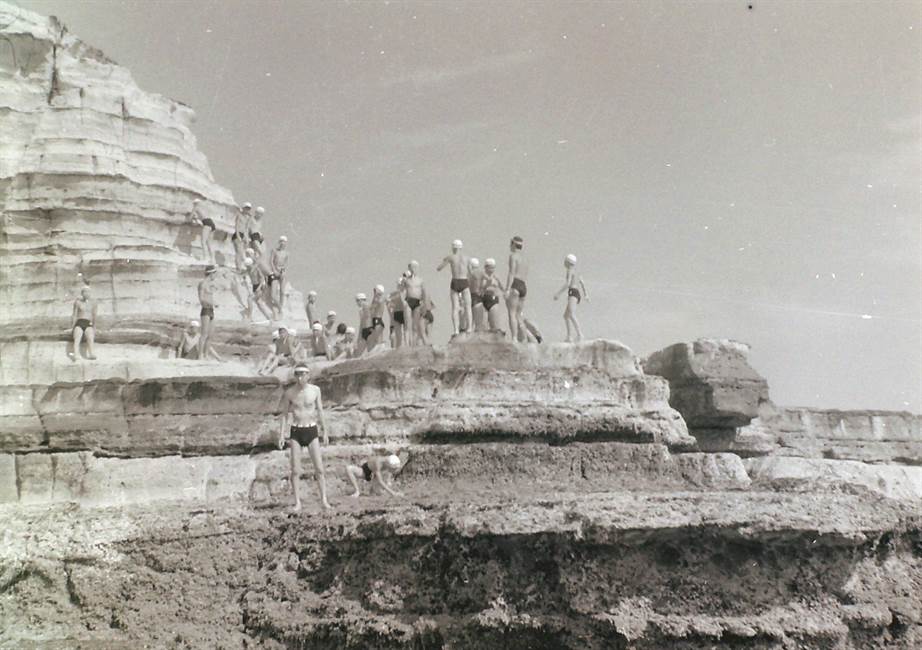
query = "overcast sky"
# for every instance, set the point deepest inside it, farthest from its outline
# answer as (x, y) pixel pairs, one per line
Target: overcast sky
(719, 170)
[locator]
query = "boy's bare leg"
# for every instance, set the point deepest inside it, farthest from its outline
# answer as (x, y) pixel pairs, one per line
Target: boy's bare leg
(206, 244)
(203, 338)
(571, 310)
(512, 309)
(294, 449)
(90, 341)
(531, 328)
(314, 450)
(455, 311)
(78, 336)
(351, 471)
(281, 281)
(468, 311)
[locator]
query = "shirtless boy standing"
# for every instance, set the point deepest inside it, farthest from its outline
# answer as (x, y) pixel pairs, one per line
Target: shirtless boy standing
(492, 289)
(83, 324)
(301, 409)
(206, 291)
(460, 291)
(376, 310)
(208, 228)
(398, 309)
(416, 295)
(516, 289)
(576, 291)
(279, 263)
(475, 274)
(365, 329)
(374, 467)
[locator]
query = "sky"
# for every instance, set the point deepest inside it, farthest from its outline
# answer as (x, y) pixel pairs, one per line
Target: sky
(745, 170)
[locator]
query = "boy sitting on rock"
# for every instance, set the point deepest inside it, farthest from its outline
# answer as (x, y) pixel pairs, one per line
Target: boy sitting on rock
(374, 467)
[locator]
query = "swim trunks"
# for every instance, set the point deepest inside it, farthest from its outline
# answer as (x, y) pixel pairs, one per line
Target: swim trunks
(377, 322)
(83, 323)
(428, 316)
(574, 293)
(476, 298)
(272, 277)
(208, 221)
(413, 303)
(519, 285)
(398, 317)
(304, 435)
(208, 311)
(458, 285)
(366, 332)
(490, 300)
(366, 471)
(236, 236)
(256, 236)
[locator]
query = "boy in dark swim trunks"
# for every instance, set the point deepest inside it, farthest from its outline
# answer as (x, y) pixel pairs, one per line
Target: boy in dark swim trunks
(475, 274)
(576, 291)
(398, 308)
(365, 329)
(492, 289)
(516, 289)
(83, 324)
(377, 309)
(208, 228)
(206, 291)
(415, 295)
(460, 292)
(374, 467)
(302, 408)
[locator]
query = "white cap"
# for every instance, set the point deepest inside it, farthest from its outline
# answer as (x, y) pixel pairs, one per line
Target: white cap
(317, 327)
(275, 335)
(350, 330)
(379, 288)
(312, 293)
(331, 313)
(413, 263)
(194, 323)
(571, 258)
(283, 238)
(248, 261)
(292, 331)
(393, 461)
(361, 296)
(247, 205)
(489, 262)
(260, 210)
(474, 262)
(457, 244)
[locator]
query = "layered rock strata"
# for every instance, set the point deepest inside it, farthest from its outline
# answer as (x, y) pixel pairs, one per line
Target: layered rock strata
(97, 177)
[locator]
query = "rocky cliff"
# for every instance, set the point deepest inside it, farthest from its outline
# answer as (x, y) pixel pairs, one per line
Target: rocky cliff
(555, 496)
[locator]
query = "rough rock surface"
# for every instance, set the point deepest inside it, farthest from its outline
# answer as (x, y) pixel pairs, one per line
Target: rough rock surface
(472, 569)
(97, 176)
(483, 389)
(710, 382)
(553, 497)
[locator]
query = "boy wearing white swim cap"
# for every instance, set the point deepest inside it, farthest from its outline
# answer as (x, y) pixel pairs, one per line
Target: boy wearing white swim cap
(576, 291)
(374, 468)
(279, 263)
(188, 344)
(460, 288)
(416, 297)
(302, 423)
